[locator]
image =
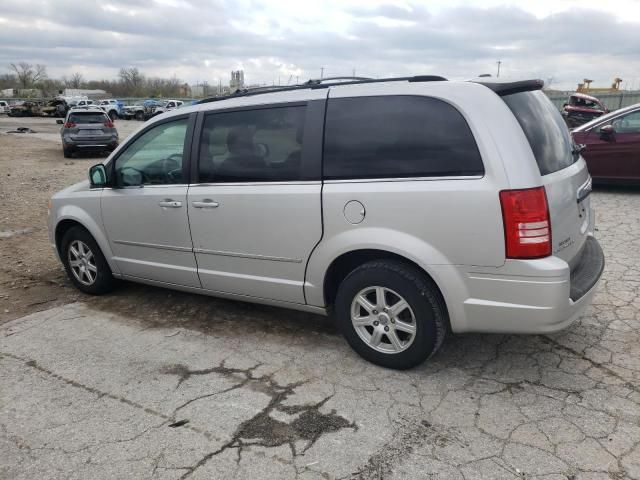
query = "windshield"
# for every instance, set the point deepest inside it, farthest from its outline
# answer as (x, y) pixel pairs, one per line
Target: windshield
(584, 103)
(543, 126)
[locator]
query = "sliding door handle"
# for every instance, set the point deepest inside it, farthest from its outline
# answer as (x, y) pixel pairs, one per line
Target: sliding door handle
(205, 204)
(168, 203)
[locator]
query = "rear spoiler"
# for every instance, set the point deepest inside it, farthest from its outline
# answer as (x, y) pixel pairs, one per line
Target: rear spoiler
(508, 88)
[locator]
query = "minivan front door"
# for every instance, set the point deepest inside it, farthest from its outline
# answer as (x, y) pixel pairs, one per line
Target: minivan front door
(145, 214)
(255, 213)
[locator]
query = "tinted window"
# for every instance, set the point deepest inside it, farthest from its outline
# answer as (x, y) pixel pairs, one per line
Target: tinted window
(629, 123)
(544, 128)
(398, 136)
(253, 145)
(87, 117)
(155, 157)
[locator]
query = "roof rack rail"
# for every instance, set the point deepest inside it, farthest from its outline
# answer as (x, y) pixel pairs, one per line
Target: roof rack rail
(508, 88)
(315, 84)
(318, 81)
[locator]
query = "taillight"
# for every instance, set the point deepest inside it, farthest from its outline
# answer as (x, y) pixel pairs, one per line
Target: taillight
(69, 125)
(527, 226)
(108, 124)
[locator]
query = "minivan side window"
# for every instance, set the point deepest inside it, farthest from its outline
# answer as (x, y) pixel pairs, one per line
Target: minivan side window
(395, 137)
(262, 145)
(154, 158)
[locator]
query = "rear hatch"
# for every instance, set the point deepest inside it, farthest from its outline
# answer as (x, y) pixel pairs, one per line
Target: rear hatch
(88, 126)
(564, 173)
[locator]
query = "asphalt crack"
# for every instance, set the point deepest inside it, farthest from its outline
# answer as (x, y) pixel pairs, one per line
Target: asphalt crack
(263, 429)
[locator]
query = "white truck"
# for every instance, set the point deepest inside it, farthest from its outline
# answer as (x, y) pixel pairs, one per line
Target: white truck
(168, 106)
(112, 107)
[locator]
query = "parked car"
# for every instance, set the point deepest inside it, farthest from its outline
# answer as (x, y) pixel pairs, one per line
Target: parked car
(87, 128)
(168, 106)
(29, 108)
(404, 207)
(142, 111)
(4, 106)
(582, 108)
(56, 108)
(113, 108)
(612, 146)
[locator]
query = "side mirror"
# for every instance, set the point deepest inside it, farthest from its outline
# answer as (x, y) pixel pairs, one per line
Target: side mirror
(607, 131)
(98, 176)
(60, 122)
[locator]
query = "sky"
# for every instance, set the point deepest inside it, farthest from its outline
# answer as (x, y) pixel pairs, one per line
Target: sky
(560, 41)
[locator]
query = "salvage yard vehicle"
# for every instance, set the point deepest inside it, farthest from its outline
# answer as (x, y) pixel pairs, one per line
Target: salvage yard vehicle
(142, 111)
(4, 106)
(612, 146)
(582, 108)
(405, 207)
(56, 108)
(27, 108)
(167, 106)
(87, 128)
(113, 108)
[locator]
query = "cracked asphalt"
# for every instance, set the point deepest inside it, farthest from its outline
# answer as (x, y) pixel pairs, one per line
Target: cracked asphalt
(148, 383)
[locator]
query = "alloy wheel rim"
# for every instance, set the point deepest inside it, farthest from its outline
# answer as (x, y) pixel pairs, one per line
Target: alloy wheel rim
(82, 263)
(383, 319)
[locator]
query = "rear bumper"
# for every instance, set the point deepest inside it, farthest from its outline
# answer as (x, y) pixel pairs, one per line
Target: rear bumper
(526, 296)
(98, 144)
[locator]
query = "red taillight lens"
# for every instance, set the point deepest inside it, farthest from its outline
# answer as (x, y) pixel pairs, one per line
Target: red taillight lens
(69, 125)
(527, 226)
(108, 124)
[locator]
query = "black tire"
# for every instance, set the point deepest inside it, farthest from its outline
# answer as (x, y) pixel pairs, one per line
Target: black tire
(104, 281)
(139, 116)
(113, 115)
(423, 297)
(67, 153)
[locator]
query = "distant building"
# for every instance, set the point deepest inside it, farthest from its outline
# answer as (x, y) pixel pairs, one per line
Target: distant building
(84, 92)
(237, 80)
(21, 93)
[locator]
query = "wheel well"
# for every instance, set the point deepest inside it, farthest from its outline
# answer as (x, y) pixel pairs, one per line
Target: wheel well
(62, 228)
(347, 262)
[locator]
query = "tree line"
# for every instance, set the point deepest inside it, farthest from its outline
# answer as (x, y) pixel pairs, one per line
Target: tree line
(130, 82)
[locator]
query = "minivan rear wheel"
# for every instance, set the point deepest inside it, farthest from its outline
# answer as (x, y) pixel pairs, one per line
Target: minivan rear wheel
(391, 313)
(84, 262)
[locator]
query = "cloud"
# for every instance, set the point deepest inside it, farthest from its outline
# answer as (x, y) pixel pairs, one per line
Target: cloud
(205, 40)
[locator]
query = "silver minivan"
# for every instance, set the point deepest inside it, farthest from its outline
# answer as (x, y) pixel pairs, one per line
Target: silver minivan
(405, 207)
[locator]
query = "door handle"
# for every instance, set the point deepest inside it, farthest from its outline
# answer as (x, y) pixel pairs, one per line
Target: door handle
(168, 203)
(205, 204)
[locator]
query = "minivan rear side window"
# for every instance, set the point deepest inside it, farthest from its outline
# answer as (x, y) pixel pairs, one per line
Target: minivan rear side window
(395, 137)
(544, 128)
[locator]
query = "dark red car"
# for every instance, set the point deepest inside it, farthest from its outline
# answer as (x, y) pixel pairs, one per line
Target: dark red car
(581, 109)
(612, 145)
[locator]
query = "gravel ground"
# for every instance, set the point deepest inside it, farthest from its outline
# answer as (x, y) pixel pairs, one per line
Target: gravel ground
(148, 383)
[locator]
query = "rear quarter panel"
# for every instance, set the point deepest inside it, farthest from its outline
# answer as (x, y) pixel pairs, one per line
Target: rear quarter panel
(436, 221)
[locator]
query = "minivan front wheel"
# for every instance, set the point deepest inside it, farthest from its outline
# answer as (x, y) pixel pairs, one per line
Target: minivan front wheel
(391, 313)
(84, 262)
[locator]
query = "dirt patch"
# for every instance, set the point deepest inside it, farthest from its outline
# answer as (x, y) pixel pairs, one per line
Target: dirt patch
(31, 279)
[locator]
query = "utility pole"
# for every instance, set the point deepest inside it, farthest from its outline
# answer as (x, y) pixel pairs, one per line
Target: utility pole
(321, 72)
(499, 62)
(353, 74)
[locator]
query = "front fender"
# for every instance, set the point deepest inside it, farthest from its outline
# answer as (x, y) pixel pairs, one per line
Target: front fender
(400, 243)
(87, 220)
